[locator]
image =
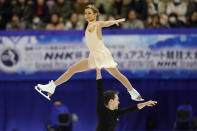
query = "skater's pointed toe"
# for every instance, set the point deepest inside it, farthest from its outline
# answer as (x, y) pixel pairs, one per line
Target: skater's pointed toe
(38, 85)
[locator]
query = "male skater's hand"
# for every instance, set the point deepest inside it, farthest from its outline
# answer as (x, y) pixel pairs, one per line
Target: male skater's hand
(98, 74)
(148, 103)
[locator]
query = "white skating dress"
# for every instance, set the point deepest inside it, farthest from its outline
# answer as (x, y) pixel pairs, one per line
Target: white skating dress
(100, 56)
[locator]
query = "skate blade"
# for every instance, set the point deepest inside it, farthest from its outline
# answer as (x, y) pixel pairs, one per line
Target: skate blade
(40, 91)
(138, 99)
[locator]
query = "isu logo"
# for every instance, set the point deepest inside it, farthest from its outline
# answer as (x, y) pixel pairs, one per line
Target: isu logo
(9, 59)
(11, 50)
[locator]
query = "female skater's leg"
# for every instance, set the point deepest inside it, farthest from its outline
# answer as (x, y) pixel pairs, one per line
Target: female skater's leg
(116, 73)
(80, 66)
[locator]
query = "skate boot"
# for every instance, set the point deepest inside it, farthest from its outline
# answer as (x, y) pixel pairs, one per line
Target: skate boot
(48, 88)
(135, 95)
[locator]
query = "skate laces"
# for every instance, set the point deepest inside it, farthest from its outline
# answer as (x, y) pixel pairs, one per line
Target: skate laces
(52, 86)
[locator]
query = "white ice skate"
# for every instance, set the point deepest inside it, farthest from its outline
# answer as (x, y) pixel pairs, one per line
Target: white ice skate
(134, 95)
(48, 88)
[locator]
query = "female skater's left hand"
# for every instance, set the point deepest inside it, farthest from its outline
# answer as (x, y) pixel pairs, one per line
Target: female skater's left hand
(119, 20)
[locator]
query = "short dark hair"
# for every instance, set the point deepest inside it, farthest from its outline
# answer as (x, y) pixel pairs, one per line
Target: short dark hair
(110, 94)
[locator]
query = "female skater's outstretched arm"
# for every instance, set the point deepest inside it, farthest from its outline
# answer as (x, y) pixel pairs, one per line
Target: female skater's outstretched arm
(110, 23)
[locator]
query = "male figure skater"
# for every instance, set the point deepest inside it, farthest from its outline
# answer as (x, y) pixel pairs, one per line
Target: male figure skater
(107, 107)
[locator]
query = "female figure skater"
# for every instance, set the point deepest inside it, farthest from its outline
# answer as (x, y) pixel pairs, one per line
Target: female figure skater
(99, 57)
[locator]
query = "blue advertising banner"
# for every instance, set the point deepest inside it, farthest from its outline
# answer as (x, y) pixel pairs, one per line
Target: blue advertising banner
(37, 55)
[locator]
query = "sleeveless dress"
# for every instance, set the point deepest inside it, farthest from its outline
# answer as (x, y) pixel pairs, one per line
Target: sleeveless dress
(100, 56)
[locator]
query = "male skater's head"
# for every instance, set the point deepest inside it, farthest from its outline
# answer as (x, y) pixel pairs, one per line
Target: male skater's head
(111, 99)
